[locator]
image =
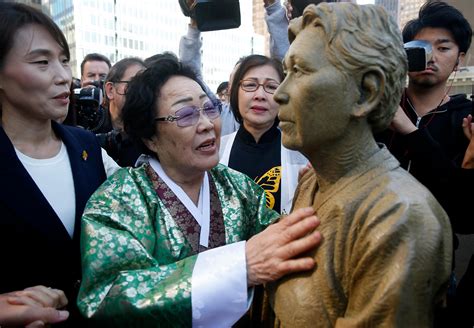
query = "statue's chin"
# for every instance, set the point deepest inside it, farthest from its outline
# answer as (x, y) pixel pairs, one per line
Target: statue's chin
(289, 139)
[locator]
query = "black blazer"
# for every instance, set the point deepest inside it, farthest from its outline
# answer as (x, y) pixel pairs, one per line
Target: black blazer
(35, 248)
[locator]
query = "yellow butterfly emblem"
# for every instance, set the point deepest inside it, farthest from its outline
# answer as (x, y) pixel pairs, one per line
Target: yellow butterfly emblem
(270, 182)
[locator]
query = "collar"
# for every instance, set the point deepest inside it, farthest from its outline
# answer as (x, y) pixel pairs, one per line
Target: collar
(269, 136)
(202, 212)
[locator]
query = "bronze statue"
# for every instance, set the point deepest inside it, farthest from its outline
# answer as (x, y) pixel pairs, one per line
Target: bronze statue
(386, 256)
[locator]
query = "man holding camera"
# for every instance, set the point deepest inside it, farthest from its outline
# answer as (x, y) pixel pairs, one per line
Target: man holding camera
(94, 67)
(426, 134)
(90, 113)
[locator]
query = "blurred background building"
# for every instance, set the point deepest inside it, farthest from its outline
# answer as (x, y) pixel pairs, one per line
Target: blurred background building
(122, 28)
(259, 25)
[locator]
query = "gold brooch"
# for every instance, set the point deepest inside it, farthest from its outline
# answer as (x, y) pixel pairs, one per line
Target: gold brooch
(84, 155)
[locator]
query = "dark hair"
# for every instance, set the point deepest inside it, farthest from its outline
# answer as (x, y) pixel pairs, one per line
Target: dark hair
(440, 15)
(222, 87)
(14, 16)
(140, 108)
(299, 6)
(248, 63)
(118, 70)
(94, 57)
(150, 61)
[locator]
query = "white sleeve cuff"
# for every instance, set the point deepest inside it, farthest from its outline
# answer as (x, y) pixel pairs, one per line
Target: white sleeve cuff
(219, 292)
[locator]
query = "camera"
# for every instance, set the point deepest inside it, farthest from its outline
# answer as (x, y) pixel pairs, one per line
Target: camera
(87, 105)
(419, 53)
(112, 142)
(212, 15)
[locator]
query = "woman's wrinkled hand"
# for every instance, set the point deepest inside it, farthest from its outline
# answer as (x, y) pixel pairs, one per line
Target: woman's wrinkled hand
(274, 252)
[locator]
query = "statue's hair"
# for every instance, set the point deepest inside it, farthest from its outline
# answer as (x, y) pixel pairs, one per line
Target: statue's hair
(359, 38)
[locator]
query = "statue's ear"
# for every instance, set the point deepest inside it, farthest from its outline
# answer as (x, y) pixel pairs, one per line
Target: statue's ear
(371, 88)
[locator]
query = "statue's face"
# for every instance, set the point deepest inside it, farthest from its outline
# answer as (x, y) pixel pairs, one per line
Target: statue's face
(315, 98)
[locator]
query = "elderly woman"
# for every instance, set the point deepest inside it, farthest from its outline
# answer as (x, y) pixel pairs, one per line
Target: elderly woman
(164, 243)
(256, 148)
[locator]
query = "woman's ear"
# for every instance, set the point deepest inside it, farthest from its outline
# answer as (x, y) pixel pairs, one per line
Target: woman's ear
(150, 144)
(371, 88)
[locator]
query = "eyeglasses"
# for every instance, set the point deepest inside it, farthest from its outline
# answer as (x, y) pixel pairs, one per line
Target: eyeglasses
(251, 86)
(189, 115)
(124, 89)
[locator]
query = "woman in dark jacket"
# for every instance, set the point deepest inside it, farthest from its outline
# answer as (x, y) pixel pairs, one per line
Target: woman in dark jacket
(48, 171)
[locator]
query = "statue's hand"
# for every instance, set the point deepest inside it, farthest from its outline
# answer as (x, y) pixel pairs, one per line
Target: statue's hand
(273, 253)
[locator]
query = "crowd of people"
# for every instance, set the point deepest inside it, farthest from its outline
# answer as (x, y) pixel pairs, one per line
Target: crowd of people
(167, 204)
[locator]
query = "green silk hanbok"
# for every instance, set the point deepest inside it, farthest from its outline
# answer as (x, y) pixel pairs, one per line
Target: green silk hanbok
(139, 245)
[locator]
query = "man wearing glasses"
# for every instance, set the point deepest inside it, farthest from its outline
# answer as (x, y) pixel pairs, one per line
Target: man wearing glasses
(115, 141)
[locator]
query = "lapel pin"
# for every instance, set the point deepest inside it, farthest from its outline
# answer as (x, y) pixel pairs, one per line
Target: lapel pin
(84, 155)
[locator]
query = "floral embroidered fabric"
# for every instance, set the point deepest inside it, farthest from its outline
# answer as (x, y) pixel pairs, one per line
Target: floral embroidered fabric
(137, 259)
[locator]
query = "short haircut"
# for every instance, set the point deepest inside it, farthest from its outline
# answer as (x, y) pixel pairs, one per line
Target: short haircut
(357, 38)
(222, 87)
(441, 15)
(14, 16)
(246, 64)
(94, 57)
(143, 93)
(150, 61)
(118, 69)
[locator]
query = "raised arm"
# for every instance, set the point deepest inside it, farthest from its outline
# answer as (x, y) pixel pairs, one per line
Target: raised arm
(277, 24)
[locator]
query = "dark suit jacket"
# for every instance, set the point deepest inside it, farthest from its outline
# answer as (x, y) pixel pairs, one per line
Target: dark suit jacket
(35, 248)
